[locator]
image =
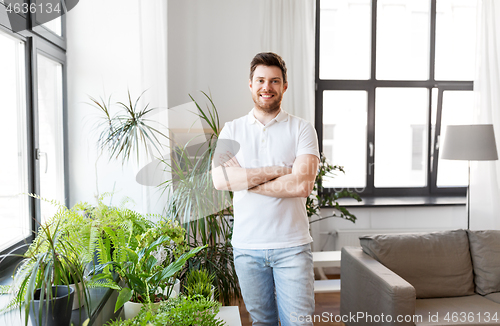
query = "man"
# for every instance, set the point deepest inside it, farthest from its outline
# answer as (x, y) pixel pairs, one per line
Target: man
(271, 175)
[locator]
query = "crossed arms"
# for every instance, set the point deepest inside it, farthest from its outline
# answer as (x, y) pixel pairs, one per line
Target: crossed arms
(274, 181)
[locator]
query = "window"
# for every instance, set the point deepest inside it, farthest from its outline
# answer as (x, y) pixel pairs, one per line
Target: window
(14, 208)
(390, 76)
(32, 85)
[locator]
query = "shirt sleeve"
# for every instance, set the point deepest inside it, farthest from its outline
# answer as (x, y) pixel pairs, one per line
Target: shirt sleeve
(308, 140)
(225, 144)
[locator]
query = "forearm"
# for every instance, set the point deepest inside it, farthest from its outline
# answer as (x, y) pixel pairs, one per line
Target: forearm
(238, 178)
(288, 186)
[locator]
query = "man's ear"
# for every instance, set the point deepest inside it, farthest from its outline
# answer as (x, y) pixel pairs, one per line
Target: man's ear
(250, 84)
(285, 87)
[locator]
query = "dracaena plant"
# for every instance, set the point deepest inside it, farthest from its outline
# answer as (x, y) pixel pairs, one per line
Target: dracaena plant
(123, 134)
(201, 209)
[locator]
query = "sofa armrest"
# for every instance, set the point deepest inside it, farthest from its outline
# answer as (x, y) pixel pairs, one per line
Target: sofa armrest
(370, 288)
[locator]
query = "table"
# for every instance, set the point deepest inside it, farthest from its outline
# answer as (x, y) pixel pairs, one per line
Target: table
(231, 315)
(326, 259)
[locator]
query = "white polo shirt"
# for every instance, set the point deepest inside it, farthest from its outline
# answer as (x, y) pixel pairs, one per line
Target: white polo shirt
(264, 222)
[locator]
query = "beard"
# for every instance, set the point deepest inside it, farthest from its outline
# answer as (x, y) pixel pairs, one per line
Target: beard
(268, 106)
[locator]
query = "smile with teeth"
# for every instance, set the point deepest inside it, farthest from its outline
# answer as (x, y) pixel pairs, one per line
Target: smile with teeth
(266, 96)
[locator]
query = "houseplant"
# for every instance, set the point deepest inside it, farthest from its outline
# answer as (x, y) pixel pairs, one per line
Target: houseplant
(319, 198)
(48, 262)
(199, 282)
(204, 211)
(192, 199)
(142, 272)
(180, 311)
(128, 131)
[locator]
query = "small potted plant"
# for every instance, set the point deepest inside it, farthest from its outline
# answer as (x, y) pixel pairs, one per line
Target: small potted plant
(199, 282)
(41, 281)
(180, 311)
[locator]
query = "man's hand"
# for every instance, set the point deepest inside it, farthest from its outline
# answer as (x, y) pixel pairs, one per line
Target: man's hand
(229, 160)
(227, 174)
(299, 183)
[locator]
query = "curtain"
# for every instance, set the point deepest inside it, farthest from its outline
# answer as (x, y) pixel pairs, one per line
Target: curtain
(153, 44)
(485, 175)
(288, 29)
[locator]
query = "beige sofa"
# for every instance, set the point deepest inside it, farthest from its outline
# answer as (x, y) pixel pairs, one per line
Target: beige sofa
(438, 278)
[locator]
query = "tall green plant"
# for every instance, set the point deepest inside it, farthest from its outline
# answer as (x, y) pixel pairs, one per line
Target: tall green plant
(204, 211)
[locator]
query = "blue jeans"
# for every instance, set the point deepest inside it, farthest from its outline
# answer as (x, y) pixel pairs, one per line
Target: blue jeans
(273, 280)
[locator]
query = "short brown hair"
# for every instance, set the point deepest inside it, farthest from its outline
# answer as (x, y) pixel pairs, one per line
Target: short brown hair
(268, 59)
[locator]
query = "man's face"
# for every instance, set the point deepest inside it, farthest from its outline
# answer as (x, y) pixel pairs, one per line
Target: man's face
(267, 88)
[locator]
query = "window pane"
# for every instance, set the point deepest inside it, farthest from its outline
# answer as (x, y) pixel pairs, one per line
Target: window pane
(344, 136)
(455, 39)
(51, 133)
(401, 116)
(14, 210)
(345, 39)
(403, 39)
(55, 25)
(457, 110)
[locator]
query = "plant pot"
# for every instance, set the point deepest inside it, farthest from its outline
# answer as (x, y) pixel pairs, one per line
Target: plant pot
(132, 309)
(176, 289)
(79, 299)
(56, 312)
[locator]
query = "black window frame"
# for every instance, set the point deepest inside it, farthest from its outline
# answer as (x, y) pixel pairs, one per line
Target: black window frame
(37, 39)
(370, 85)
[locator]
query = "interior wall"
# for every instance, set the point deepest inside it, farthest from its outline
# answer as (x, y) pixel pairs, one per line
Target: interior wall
(211, 44)
(104, 59)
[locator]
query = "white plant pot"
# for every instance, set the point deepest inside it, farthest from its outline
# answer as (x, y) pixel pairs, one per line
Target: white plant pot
(132, 309)
(176, 290)
(79, 300)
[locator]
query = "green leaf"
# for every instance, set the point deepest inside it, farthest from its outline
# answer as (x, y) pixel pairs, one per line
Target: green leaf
(124, 296)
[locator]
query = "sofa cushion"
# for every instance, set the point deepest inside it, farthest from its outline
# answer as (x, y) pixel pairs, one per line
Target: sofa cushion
(485, 252)
(495, 297)
(436, 264)
(469, 310)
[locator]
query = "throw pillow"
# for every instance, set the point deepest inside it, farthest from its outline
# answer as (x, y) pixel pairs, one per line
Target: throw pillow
(485, 252)
(436, 264)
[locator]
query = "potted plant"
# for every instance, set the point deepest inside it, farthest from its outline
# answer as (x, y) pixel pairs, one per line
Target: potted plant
(180, 311)
(193, 201)
(199, 282)
(141, 273)
(41, 281)
(319, 198)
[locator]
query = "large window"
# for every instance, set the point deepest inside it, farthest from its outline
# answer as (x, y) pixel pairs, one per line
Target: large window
(32, 65)
(14, 209)
(391, 75)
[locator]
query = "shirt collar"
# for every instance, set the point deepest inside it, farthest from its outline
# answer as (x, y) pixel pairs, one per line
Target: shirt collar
(282, 116)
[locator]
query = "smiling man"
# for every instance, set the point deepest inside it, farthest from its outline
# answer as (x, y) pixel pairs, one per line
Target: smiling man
(271, 175)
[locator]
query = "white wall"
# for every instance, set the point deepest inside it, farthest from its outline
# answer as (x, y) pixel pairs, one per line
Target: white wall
(385, 220)
(210, 46)
(104, 58)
